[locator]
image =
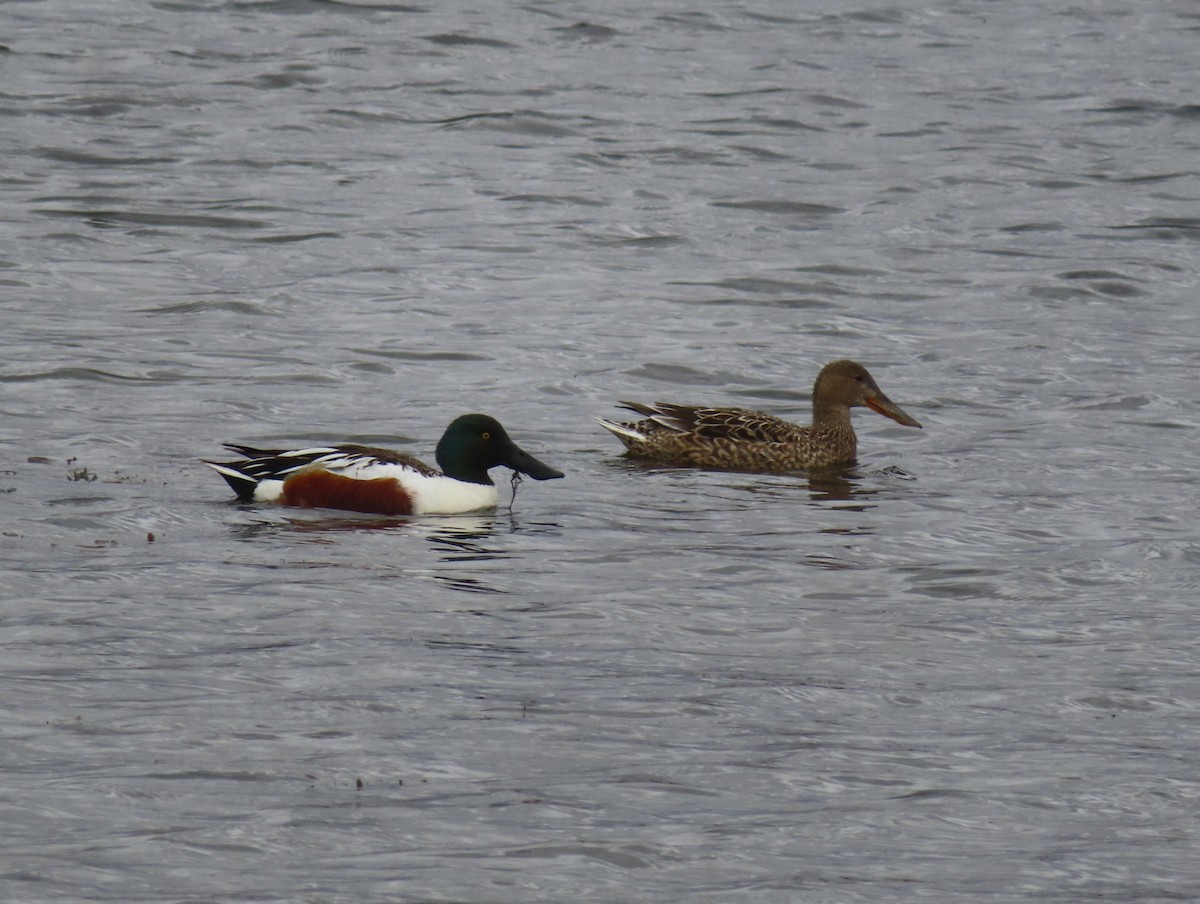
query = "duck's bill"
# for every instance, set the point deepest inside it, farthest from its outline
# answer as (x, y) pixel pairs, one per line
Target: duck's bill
(881, 404)
(522, 461)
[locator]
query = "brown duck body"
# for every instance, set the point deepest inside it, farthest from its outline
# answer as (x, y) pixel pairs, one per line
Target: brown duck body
(742, 440)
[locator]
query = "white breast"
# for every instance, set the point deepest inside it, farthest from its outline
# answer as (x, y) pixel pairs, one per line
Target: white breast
(443, 496)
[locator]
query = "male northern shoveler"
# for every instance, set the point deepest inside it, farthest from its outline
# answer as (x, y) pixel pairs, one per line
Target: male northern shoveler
(382, 482)
(740, 440)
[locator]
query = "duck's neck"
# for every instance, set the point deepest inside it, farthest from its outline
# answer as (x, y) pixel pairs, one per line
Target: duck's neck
(461, 467)
(469, 475)
(830, 416)
(833, 432)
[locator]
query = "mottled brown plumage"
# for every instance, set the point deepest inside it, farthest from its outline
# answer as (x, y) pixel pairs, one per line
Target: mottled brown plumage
(741, 440)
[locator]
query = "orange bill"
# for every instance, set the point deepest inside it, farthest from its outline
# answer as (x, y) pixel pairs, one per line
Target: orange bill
(881, 404)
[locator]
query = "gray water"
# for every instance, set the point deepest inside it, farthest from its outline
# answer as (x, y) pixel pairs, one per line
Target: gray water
(965, 669)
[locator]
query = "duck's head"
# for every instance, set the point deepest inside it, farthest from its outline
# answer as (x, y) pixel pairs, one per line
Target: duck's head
(473, 443)
(848, 383)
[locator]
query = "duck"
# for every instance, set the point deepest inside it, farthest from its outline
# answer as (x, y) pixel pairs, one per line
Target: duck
(738, 439)
(377, 481)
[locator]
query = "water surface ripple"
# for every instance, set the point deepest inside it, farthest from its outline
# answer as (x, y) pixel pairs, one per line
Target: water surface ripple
(962, 669)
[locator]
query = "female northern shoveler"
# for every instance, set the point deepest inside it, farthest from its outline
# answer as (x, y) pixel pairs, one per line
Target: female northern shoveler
(740, 440)
(381, 482)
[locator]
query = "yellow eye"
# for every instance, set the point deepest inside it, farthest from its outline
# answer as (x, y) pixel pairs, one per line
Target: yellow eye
(486, 435)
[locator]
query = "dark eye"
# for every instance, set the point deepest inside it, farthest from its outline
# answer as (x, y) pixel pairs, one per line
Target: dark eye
(859, 378)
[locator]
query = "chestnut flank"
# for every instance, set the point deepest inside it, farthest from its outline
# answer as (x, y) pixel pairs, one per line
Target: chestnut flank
(321, 489)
